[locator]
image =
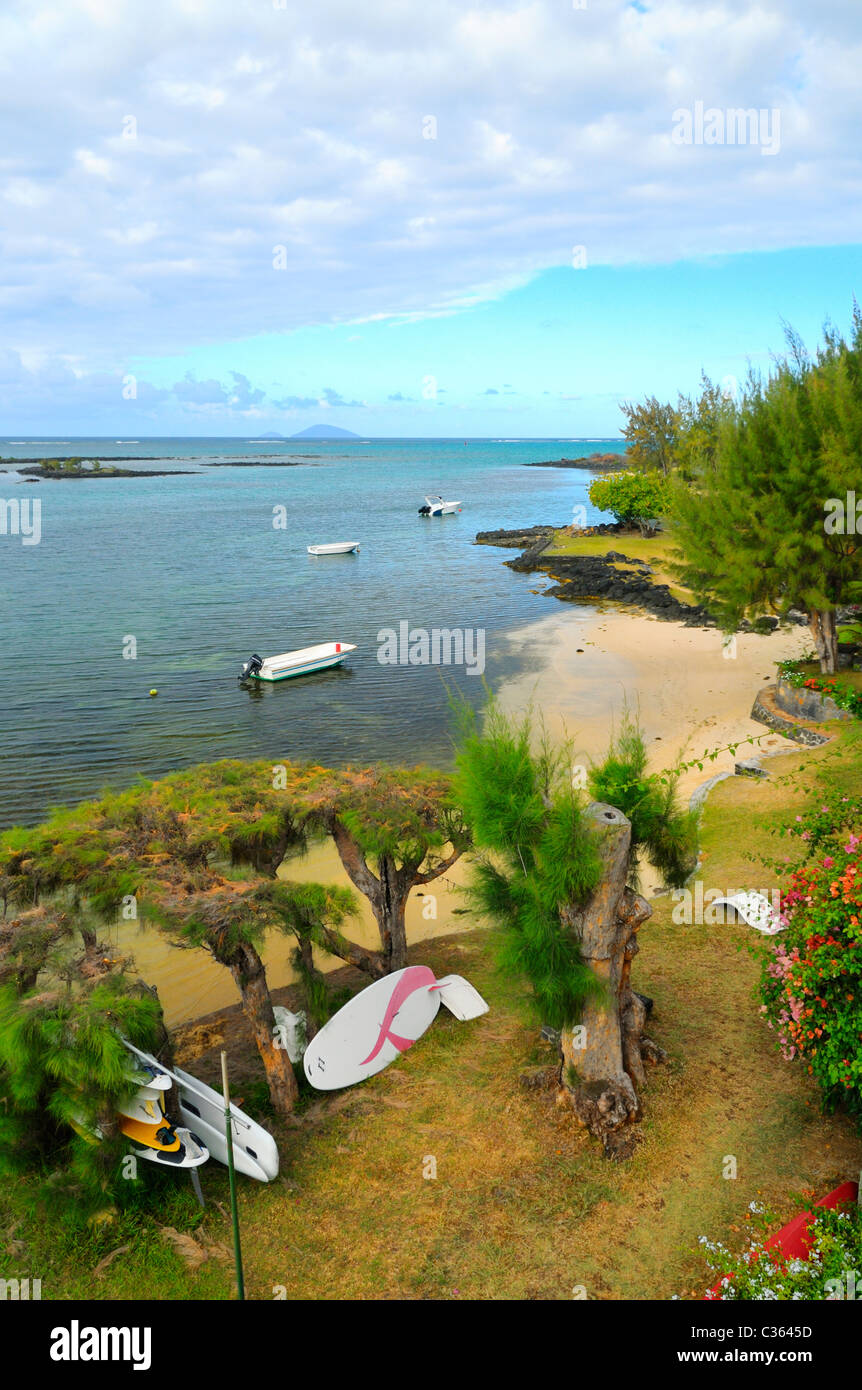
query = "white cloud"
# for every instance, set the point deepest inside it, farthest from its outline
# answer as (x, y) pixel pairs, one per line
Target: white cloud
(304, 127)
(93, 163)
(193, 94)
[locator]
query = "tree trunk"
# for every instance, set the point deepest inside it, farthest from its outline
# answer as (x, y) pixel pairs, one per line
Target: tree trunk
(311, 976)
(388, 897)
(389, 907)
(603, 1056)
(249, 972)
(825, 633)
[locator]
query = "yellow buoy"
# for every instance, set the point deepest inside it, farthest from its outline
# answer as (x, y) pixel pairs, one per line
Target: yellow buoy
(154, 692)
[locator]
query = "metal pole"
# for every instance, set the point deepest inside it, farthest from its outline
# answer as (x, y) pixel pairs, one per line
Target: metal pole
(237, 1251)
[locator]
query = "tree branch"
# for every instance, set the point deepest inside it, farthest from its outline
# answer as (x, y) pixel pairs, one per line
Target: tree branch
(354, 860)
(439, 868)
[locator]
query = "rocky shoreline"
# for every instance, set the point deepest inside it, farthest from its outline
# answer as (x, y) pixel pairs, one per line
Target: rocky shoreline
(594, 463)
(583, 578)
(66, 474)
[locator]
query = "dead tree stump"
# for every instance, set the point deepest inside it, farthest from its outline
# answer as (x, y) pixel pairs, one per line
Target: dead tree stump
(603, 1055)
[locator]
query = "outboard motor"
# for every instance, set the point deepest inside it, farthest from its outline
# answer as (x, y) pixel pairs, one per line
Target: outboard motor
(251, 667)
(425, 510)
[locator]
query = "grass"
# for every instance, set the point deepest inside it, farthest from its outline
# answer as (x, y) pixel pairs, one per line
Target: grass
(523, 1205)
(656, 551)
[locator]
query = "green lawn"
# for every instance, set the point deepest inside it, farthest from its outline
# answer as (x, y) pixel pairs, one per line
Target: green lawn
(656, 551)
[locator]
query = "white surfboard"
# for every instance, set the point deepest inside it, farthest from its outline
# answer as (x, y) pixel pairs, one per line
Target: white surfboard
(381, 1022)
(754, 909)
(202, 1109)
(460, 998)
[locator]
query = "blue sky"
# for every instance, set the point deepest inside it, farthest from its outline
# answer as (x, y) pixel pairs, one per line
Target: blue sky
(483, 217)
(552, 358)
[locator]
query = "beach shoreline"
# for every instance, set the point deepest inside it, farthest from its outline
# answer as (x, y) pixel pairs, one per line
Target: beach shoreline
(690, 691)
(582, 670)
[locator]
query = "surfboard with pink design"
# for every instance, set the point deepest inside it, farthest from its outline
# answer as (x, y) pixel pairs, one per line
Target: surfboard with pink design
(381, 1022)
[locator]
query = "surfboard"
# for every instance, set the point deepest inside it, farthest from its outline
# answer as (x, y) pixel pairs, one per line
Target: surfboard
(755, 910)
(381, 1022)
(202, 1109)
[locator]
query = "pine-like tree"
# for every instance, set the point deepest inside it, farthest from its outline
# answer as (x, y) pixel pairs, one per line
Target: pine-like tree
(767, 528)
(651, 432)
(395, 829)
(557, 876)
(63, 1067)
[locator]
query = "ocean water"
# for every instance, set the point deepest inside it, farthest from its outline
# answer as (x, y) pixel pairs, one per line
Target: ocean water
(194, 570)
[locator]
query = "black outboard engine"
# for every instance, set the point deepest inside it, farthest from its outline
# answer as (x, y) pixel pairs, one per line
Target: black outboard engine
(251, 667)
(425, 510)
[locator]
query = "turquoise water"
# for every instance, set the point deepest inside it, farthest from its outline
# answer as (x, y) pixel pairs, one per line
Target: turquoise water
(194, 570)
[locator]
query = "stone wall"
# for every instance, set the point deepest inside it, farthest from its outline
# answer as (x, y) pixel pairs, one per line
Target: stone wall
(807, 704)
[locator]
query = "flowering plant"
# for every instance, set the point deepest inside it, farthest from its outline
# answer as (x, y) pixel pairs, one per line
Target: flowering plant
(810, 981)
(844, 695)
(832, 1270)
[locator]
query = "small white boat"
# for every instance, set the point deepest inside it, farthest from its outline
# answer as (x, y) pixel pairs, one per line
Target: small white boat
(437, 506)
(298, 663)
(336, 548)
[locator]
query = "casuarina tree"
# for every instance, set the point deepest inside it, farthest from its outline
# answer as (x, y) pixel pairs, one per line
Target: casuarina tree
(556, 876)
(768, 528)
(395, 829)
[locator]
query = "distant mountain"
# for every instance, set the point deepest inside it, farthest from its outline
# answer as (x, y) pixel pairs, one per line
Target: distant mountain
(325, 432)
(270, 436)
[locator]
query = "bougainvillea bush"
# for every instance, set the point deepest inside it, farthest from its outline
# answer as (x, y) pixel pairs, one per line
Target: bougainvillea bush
(811, 984)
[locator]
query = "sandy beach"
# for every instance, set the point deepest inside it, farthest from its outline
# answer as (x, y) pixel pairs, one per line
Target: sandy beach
(583, 669)
(689, 693)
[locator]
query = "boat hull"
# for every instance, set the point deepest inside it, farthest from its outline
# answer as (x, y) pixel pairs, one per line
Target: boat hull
(303, 663)
(300, 670)
(342, 548)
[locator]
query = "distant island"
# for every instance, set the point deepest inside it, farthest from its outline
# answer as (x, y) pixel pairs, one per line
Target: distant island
(321, 432)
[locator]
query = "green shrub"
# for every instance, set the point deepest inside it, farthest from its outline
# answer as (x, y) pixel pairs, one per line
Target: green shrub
(638, 498)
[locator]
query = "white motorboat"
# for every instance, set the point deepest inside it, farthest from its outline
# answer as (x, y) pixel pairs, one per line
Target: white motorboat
(437, 506)
(298, 663)
(336, 548)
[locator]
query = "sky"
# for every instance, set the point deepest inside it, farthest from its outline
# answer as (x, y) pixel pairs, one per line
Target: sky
(230, 217)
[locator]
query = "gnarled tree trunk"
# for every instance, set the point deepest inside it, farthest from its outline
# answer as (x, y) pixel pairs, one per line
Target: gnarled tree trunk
(825, 633)
(249, 972)
(603, 1056)
(388, 894)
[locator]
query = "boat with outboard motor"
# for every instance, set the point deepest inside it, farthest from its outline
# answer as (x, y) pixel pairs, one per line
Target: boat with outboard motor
(436, 506)
(298, 663)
